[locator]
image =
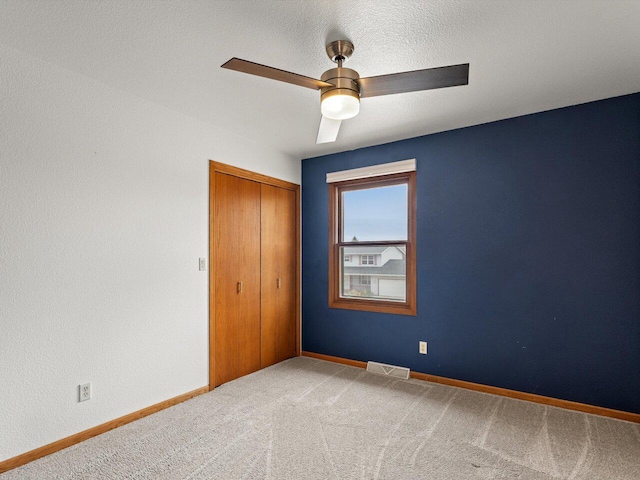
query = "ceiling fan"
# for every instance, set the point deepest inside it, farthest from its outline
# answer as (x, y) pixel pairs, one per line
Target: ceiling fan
(342, 88)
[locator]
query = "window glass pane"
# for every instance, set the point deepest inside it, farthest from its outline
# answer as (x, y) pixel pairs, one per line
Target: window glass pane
(377, 274)
(375, 214)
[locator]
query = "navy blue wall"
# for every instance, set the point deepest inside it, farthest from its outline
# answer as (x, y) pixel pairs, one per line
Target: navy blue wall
(528, 256)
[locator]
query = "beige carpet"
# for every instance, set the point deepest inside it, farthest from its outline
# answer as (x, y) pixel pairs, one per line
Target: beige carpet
(309, 419)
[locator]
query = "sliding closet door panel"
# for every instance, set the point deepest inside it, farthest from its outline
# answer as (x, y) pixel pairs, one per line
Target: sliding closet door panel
(237, 277)
(226, 298)
(287, 271)
(269, 242)
(249, 315)
(278, 274)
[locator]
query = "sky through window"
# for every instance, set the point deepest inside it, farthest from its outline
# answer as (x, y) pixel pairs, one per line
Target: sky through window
(375, 213)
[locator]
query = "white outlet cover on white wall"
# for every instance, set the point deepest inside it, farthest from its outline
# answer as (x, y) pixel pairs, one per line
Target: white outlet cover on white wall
(84, 392)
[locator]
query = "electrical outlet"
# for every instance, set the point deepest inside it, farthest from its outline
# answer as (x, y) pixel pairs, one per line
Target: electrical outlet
(203, 264)
(84, 391)
(423, 348)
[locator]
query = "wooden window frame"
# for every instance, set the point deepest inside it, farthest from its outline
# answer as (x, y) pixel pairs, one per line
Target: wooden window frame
(408, 307)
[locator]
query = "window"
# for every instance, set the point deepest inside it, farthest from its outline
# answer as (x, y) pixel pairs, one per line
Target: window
(367, 259)
(373, 219)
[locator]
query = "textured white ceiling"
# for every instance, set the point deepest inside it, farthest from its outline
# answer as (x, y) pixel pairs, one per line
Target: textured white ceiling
(525, 56)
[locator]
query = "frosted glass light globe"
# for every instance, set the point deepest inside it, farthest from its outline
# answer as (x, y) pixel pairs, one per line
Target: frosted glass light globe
(340, 107)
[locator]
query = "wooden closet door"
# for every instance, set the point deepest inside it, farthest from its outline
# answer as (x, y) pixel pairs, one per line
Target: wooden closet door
(278, 274)
(237, 259)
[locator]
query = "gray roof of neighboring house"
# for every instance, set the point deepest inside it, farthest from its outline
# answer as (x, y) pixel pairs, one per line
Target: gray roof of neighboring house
(392, 267)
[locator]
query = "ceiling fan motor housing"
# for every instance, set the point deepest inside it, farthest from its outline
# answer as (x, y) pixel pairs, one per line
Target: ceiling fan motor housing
(345, 81)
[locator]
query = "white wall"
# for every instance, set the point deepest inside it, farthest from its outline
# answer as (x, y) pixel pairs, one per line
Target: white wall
(104, 213)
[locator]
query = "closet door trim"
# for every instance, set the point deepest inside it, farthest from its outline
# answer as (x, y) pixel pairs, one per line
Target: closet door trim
(217, 167)
(249, 175)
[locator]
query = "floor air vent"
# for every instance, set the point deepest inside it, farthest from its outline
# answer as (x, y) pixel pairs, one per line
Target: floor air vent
(390, 370)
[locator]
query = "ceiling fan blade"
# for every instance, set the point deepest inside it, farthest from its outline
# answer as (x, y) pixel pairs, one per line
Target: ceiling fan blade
(274, 73)
(328, 131)
(427, 79)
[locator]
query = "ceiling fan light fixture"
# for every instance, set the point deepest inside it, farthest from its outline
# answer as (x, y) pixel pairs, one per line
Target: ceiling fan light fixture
(341, 88)
(340, 104)
(341, 100)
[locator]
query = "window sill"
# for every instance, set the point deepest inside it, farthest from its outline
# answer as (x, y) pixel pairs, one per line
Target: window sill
(374, 306)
